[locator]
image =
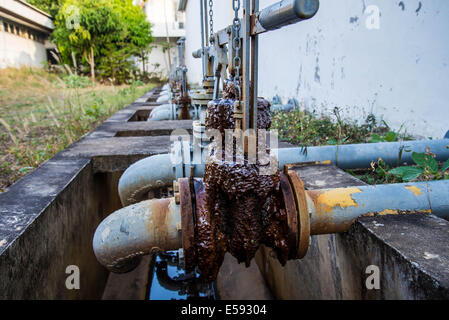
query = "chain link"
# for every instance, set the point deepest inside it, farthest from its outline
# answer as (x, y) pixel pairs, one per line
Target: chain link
(236, 63)
(211, 20)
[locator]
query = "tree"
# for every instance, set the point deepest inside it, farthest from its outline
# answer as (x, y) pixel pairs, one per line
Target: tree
(104, 33)
(49, 6)
(138, 29)
(85, 26)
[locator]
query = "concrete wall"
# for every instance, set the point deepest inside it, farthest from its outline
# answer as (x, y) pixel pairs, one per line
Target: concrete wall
(399, 71)
(16, 51)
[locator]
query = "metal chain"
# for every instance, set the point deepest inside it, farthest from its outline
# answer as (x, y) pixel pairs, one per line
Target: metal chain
(236, 63)
(211, 20)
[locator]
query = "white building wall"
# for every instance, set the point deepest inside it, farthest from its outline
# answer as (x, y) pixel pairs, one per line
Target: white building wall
(165, 18)
(399, 72)
(17, 51)
(157, 61)
(223, 16)
(166, 22)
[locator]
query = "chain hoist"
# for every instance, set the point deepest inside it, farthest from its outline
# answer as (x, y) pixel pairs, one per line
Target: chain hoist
(236, 45)
(211, 21)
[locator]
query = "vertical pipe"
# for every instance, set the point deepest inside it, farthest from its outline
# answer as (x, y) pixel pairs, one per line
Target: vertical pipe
(246, 64)
(202, 39)
(206, 25)
(254, 67)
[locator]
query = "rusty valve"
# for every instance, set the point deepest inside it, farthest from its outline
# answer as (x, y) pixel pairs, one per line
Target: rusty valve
(196, 220)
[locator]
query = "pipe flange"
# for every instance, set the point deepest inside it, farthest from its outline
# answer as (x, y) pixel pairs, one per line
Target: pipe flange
(303, 213)
(188, 225)
(292, 215)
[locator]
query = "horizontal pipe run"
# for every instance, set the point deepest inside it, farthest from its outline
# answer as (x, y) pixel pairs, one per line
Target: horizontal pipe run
(287, 12)
(354, 156)
(132, 232)
(334, 210)
(158, 171)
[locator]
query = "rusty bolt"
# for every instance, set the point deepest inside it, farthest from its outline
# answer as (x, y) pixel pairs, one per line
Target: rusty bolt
(177, 198)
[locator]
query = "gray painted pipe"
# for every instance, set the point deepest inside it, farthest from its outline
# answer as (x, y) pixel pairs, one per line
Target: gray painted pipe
(334, 210)
(151, 173)
(157, 171)
(353, 156)
(132, 232)
(163, 98)
(161, 115)
(126, 235)
(287, 12)
(160, 108)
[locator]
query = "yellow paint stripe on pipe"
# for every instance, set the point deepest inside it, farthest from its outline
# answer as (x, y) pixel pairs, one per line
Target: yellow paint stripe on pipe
(338, 198)
(414, 189)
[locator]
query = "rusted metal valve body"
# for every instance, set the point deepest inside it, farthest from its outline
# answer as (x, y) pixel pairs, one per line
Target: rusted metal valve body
(205, 244)
(237, 208)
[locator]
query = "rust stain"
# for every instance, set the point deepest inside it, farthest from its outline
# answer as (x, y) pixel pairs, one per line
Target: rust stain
(414, 189)
(341, 197)
(158, 223)
(388, 212)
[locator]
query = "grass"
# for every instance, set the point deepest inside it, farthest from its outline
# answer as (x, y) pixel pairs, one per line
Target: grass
(424, 168)
(41, 114)
(311, 129)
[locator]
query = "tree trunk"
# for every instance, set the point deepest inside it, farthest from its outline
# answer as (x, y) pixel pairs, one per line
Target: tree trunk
(143, 62)
(75, 65)
(92, 64)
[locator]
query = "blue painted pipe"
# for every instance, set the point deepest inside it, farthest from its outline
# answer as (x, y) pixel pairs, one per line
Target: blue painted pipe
(132, 232)
(334, 210)
(353, 156)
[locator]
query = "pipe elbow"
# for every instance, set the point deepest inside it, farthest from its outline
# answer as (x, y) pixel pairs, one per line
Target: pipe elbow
(126, 235)
(163, 99)
(160, 115)
(151, 173)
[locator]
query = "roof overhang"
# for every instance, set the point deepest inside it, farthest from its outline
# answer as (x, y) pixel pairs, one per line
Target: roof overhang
(22, 12)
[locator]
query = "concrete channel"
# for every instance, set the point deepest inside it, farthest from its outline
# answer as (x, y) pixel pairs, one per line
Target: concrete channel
(48, 219)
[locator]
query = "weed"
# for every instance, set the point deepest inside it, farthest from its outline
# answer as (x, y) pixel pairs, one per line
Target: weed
(37, 121)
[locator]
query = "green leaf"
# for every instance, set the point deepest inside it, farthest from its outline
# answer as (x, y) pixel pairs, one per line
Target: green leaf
(376, 138)
(425, 161)
(407, 173)
(445, 166)
(391, 136)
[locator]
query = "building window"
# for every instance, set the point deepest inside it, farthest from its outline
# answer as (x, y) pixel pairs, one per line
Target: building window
(23, 31)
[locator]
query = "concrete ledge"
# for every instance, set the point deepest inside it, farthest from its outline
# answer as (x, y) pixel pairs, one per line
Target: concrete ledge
(411, 252)
(48, 218)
